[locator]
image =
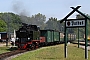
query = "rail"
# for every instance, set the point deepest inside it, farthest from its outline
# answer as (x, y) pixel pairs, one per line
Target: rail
(8, 54)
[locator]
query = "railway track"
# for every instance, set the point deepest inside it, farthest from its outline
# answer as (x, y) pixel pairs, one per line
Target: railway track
(3, 56)
(82, 43)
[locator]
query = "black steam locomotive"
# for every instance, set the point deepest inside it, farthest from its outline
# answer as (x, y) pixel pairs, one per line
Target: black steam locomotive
(27, 37)
(31, 37)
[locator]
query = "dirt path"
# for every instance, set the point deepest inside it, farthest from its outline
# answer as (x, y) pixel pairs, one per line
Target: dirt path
(84, 47)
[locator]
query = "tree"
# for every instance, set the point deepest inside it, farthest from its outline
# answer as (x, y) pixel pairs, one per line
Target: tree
(2, 26)
(12, 20)
(52, 24)
(82, 30)
(38, 19)
(61, 26)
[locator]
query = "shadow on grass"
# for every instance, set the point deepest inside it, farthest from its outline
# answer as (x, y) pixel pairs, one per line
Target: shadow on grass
(49, 58)
(12, 49)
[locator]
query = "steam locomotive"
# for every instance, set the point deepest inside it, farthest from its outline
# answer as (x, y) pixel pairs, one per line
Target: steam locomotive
(31, 37)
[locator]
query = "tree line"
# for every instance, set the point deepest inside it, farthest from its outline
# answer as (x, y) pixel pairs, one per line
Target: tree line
(10, 21)
(14, 21)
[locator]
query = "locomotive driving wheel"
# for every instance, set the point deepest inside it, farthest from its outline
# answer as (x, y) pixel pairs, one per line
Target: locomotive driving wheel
(33, 47)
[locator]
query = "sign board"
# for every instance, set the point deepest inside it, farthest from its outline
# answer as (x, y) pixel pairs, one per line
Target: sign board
(75, 23)
(71, 23)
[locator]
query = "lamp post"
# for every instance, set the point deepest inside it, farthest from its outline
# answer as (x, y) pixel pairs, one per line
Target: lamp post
(8, 31)
(61, 28)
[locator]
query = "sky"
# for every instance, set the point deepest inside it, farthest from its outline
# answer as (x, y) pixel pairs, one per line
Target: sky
(50, 8)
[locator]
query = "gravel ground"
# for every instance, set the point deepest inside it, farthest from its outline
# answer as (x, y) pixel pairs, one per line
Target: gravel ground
(83, 47)
(10, 58)
(2, 44)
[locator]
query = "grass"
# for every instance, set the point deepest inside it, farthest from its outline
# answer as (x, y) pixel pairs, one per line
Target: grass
(54, 53)
(4, 49)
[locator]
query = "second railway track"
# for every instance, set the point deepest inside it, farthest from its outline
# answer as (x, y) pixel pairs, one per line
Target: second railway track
(3, 56)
